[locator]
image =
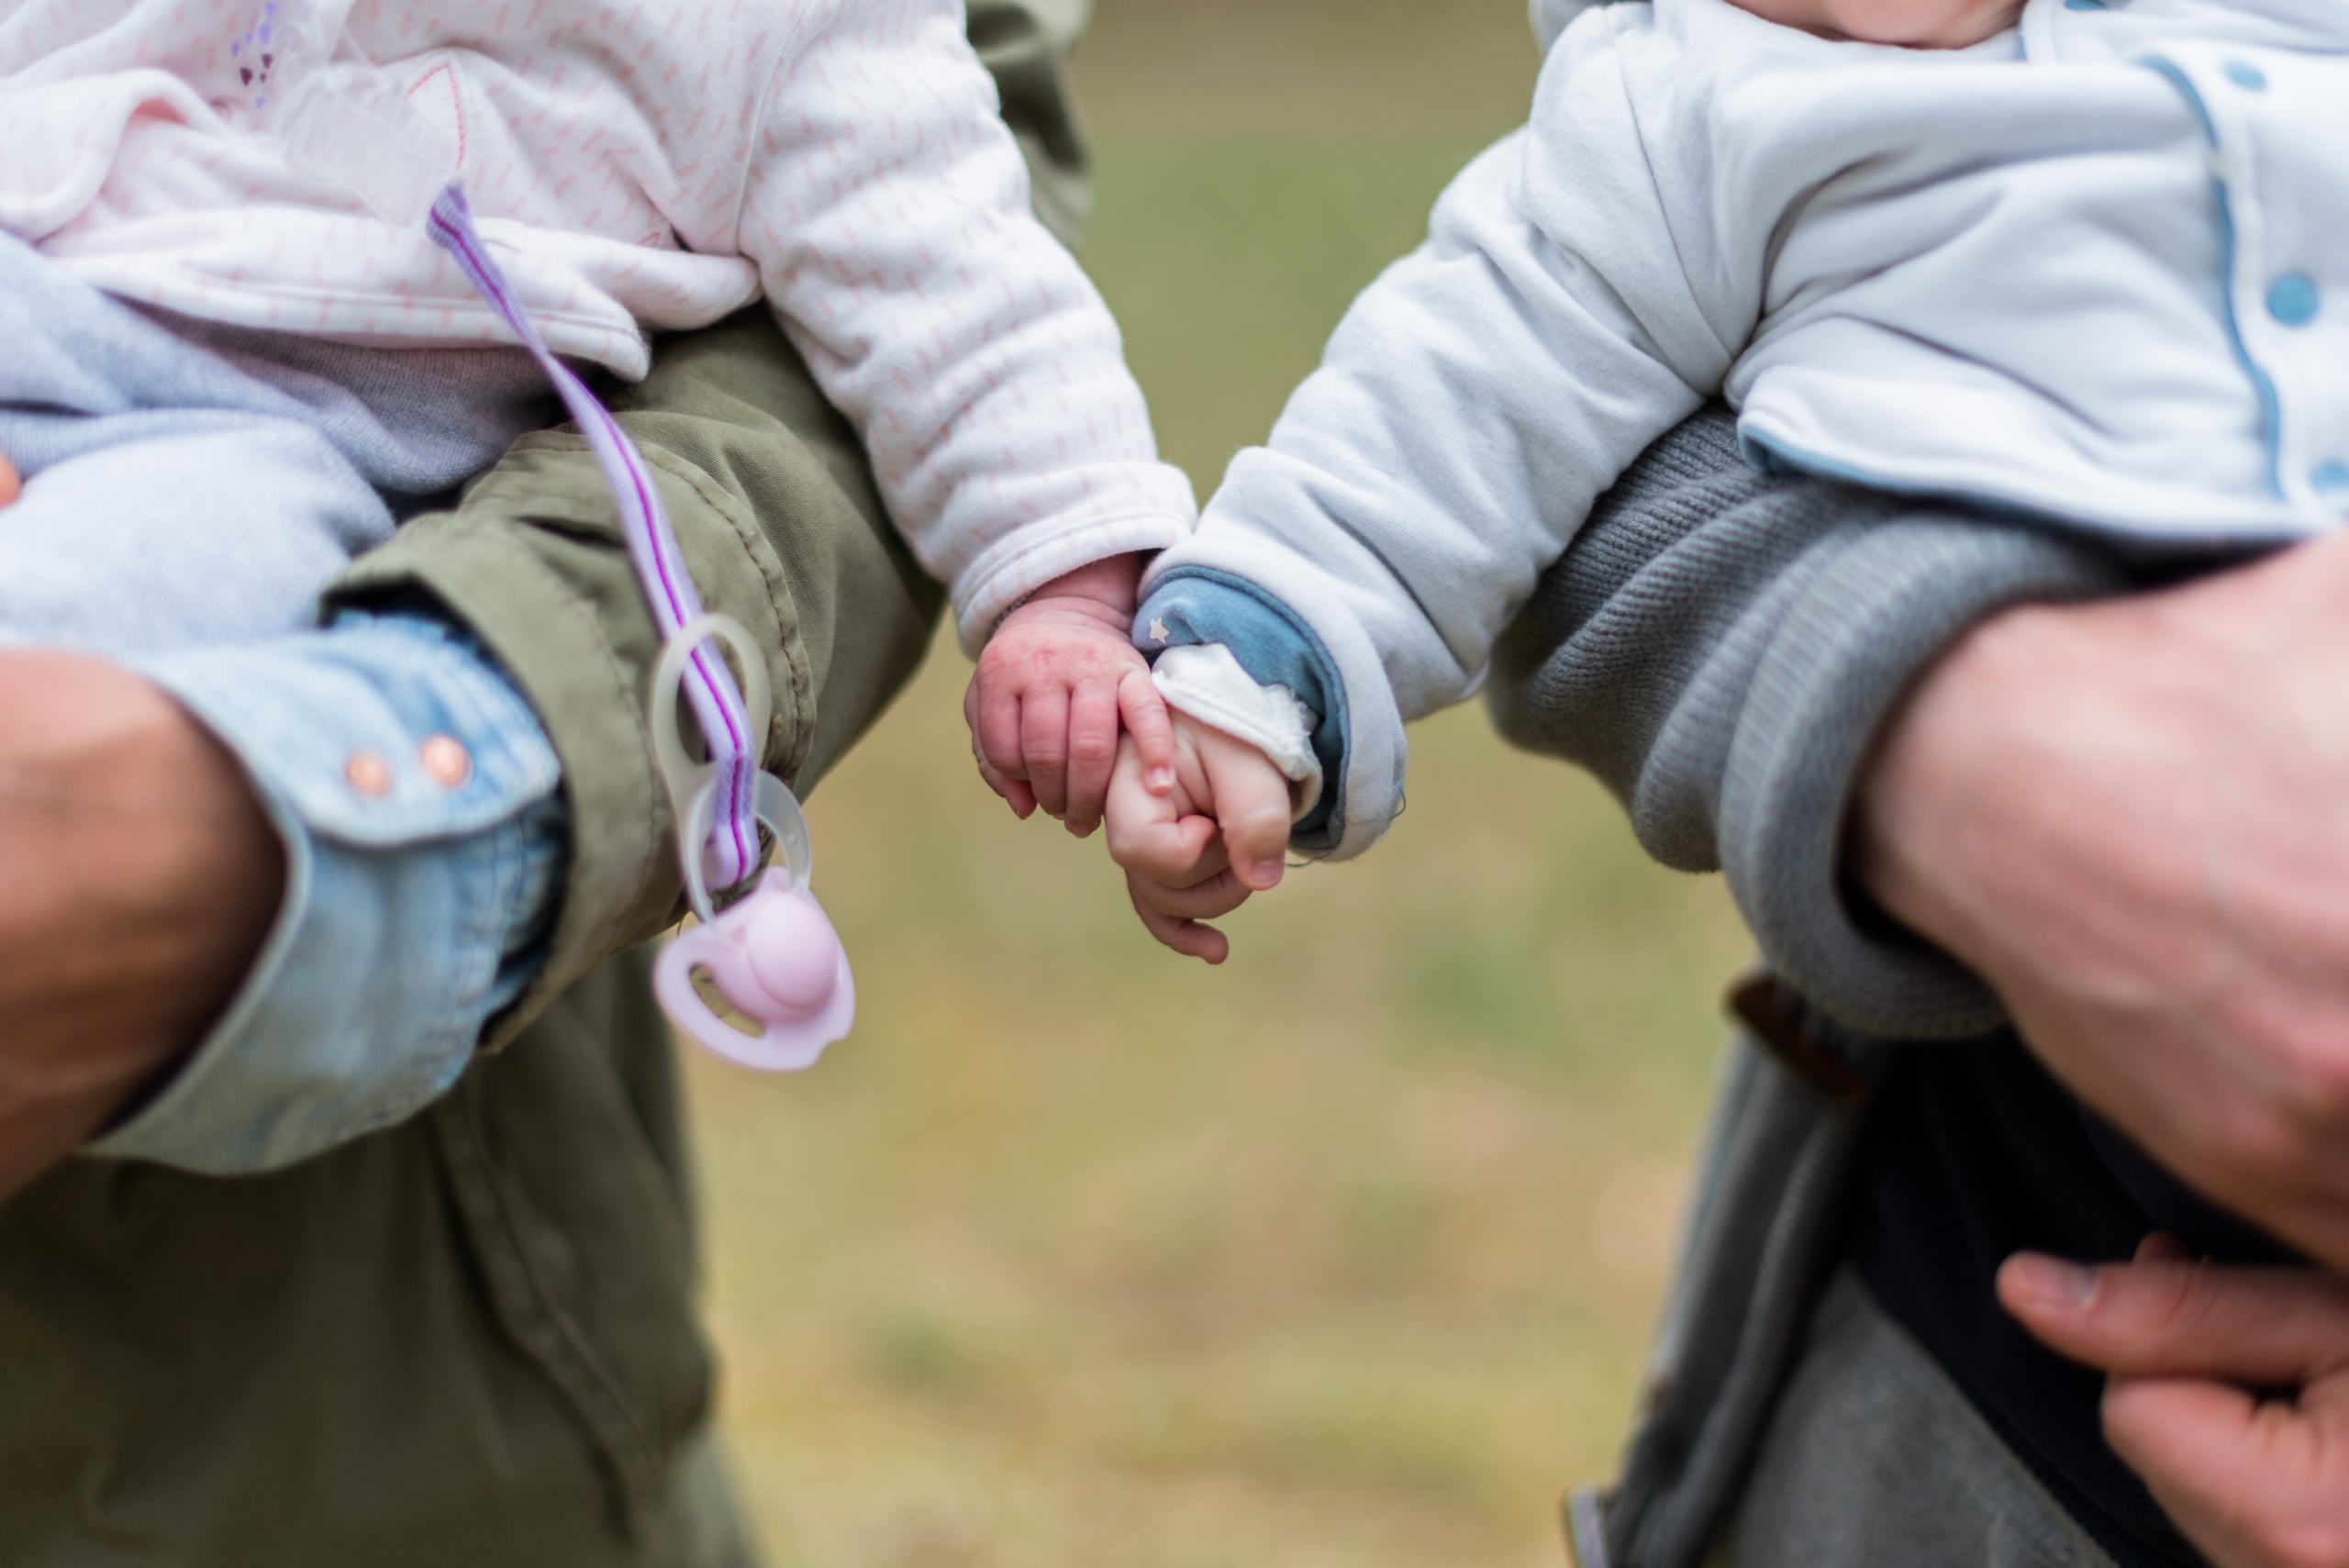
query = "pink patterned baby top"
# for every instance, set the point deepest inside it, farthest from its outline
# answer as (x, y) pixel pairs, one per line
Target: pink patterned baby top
(636, 164)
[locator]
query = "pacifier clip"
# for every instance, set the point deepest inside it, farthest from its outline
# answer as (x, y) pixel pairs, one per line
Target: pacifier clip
(774, 955)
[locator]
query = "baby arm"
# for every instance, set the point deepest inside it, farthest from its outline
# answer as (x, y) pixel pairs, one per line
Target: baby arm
(887, 210)
(1473, 405)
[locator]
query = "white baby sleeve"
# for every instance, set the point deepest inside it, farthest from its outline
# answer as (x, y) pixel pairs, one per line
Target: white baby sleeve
(887, 209)
(1473, 405)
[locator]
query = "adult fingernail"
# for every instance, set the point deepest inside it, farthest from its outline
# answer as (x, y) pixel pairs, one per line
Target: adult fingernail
(2051, 1282)
(1161, 778)
(1266, 876)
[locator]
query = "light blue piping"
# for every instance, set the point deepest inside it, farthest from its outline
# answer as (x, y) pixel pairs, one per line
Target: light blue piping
(1770, 456)
(2270, 405)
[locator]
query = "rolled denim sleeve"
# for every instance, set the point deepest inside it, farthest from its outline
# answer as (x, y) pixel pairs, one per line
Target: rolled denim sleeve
(425, 832)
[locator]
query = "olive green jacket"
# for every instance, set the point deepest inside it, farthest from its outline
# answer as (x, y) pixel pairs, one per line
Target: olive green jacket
(474, 1339)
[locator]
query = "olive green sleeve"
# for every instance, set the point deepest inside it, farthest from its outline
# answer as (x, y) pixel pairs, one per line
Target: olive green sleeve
(774, 509)
(1025, 43)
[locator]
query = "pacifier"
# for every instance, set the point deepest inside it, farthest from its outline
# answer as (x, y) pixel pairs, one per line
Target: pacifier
(774, 956)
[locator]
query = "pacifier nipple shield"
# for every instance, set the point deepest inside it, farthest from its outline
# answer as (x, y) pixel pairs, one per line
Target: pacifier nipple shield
(774, 956)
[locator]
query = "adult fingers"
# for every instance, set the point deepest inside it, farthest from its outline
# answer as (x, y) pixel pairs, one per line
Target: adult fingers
(1252, 807)
(2170, 1318)
(1092, 751)
(1043, 741)
(2253, 1483)
(1148, 722)
(1185, 936)
(10, 486)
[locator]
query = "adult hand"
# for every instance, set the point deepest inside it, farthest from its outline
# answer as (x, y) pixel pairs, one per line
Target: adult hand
(138, 879)
(2254, 1481)
(2131, 818)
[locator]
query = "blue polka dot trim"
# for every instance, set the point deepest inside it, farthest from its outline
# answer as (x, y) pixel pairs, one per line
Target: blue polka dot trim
(2245, 75)
(2330, 478)
(2084, 4)
(2292, 299)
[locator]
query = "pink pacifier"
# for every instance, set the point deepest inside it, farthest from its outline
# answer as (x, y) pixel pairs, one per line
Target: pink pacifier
(774, 956)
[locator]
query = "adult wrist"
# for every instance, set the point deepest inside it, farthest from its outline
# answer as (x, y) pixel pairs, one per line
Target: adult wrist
(1856, 635)
(2011, 809)
(173, 849)
(1923, 806)
(143, 879)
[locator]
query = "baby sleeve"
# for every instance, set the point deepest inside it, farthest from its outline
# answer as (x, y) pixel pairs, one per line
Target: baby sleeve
(1568, 307)
(887, 209)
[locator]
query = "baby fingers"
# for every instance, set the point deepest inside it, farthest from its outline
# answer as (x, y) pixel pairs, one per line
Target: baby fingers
(1093, 714)
(1152, 836)
(1183, 934)
(1217, 897)
(1177, 852)
(1014, 791)
(1252, 807)
(1043, 743)
(992, 710)
(1152, 728)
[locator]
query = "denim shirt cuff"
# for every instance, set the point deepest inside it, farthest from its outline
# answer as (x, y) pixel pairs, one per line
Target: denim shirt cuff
(418, 799)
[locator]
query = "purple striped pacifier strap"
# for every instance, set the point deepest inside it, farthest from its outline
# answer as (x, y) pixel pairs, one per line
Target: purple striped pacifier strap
(732, 854)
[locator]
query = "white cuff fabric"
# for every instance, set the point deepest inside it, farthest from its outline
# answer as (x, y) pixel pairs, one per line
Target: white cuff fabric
(1208, 682)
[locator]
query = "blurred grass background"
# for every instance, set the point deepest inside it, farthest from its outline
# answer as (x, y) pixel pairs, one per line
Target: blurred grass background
(1343, 1255)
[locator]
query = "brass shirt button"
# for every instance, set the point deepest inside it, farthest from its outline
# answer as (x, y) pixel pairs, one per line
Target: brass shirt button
(446, 761)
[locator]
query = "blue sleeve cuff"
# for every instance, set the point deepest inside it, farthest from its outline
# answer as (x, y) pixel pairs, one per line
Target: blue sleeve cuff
(1192, 606)
(425, 836)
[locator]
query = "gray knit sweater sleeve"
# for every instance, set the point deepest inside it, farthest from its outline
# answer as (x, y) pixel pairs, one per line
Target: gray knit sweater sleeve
(1721, 649)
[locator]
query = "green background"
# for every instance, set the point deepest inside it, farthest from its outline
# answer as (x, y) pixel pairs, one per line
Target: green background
(1344, 1254)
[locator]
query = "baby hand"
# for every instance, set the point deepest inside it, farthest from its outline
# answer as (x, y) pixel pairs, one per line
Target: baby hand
(1053, 685)
(1200, 849)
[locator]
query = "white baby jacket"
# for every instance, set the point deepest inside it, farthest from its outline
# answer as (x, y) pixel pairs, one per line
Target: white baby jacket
(635, 164)
(2095, 269)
